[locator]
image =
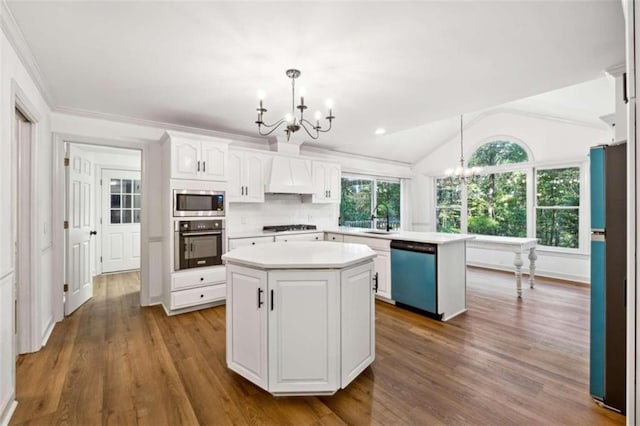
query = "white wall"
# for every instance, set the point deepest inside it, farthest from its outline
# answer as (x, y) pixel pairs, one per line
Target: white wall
(13, 76)
(551, 142)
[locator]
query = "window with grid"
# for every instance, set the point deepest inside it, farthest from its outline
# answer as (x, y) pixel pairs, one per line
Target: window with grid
(367, 202)
(558, 207)
(125, 201)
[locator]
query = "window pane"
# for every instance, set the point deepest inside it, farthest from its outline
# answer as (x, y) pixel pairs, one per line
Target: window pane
(558, 187)
(355, 203)
(136, 216)
(127, 186)
(136, 201)
(126, 201)
(115, 201)
(448, 193)
(136, 186)
(115, 186)
(448, 220)
(115, 216)
(388, 204)
(126, 216)
(497, 204)
(558, 227)
(498, 152)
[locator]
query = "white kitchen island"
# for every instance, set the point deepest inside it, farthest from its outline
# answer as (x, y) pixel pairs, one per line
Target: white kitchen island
(300, 315)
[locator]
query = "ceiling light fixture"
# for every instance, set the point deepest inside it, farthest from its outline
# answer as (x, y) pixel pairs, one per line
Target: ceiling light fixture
(380, 131)
(293, 123)
(461, 172)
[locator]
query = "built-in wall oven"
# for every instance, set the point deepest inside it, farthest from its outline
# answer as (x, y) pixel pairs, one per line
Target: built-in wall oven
(194, 203)
(198, 243)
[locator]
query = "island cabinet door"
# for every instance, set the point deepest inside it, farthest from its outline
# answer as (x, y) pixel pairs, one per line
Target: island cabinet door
(358, 321)
(304, 331)
(247, 323)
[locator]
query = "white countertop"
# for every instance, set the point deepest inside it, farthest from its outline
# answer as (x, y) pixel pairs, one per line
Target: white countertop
(300, 255)
(419, 237)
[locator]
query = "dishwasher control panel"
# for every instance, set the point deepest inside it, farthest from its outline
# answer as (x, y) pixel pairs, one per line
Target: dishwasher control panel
(414, 246)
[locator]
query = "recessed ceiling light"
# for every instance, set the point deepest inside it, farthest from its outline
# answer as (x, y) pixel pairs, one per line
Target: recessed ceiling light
(380, 131)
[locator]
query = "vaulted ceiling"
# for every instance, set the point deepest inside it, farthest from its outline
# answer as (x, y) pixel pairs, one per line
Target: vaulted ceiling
(397, 65)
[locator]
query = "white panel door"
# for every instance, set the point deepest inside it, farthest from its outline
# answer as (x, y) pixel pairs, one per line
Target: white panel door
(80, 218)
(120, 216)
(214, 161)
(382, 264)
(184, 159)
(235, 189)
(254, 177)
(247, 323)
(319, 174)
(334, 183)
(358, 322)
(304, 330)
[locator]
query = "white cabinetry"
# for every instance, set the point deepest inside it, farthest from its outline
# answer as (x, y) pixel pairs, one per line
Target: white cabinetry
(334, 237)
(382, 262)
(300, 332)
(246, 177)
(234, 243)
(247, 311)
(316, 236)
(304, 331)
(197, 157)
(326, 182)
(196, 287)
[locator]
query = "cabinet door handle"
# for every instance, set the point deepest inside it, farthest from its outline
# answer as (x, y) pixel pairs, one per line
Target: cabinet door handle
(375, 280)
(204, 166)
(260, 302)
(198, 165)
(272, 300)
(246, 190)
(242, 190)
(329, 193)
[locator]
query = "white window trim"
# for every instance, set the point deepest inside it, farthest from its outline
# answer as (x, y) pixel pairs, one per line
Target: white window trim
(530, 169)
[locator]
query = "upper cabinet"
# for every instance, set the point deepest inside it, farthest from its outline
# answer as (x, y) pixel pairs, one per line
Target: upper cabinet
(326, 181)
(246, 177)
(198, 157)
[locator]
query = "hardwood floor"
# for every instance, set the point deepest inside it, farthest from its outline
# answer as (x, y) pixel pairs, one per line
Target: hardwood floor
(503, 362)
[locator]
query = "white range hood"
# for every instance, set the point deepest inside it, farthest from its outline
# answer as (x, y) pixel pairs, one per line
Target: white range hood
(289, 175)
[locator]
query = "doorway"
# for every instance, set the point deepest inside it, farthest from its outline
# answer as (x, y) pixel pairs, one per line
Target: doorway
(103, 206)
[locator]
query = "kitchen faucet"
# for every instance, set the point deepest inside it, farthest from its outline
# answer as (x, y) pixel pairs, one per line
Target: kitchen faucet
(375, 211)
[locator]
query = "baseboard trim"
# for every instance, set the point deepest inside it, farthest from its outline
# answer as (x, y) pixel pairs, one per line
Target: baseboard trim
(577, 279)
(47, 333)
(8, 413)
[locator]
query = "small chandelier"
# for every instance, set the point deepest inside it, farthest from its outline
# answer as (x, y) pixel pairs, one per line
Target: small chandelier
(461, 172)
(293, 123)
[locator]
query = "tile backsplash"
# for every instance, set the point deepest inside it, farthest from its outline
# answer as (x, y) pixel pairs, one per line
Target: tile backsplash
(280, 209)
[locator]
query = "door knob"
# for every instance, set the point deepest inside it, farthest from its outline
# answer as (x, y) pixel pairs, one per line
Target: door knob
(93, 233)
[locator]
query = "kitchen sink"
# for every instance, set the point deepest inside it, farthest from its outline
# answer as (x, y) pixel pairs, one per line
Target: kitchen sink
(381, 232)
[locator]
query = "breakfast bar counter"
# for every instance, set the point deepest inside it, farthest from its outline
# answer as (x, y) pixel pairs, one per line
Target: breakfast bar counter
(300, 315)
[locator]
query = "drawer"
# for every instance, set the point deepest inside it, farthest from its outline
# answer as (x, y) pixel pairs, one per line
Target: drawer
(374, 243)
(316, 236)
(334, 237)
(241, 242)
(198, 278)
(198, 296)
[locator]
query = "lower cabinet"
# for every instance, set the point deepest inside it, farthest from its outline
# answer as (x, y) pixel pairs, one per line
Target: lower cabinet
(234, 243)
(316, 236)
(198, 286)
(300, 332)
(382, 262)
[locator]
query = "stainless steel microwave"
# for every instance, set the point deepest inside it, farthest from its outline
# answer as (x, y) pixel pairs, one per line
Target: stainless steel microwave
(193, 203)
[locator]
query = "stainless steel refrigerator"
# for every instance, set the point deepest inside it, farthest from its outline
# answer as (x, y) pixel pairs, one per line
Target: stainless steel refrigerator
(607, 382)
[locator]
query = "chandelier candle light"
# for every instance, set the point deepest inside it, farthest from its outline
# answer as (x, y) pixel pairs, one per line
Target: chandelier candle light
(461, 172)
(293, 123)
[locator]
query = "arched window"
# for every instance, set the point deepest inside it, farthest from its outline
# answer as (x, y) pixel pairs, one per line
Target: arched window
(498, 152)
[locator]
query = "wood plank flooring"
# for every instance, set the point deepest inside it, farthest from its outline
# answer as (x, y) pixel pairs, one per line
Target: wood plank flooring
(503, 362)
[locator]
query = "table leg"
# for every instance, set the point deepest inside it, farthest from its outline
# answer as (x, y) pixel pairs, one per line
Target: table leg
(532, 266)
(518, 263)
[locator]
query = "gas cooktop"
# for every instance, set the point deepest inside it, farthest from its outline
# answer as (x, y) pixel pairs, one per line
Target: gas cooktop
(283, 228)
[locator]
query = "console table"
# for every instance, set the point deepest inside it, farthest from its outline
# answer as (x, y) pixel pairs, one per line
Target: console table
(515, 245)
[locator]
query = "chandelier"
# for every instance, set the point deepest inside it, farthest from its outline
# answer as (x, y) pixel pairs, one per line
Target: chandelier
(461, 172)
(293, 123)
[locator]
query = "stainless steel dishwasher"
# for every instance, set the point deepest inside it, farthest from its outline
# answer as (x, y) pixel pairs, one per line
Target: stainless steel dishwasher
(414, 276)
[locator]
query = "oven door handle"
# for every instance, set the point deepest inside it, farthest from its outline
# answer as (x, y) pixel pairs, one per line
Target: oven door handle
(189, 234)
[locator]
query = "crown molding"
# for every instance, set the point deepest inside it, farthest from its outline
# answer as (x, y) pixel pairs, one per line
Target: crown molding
(616, 70)
(115, 118)
(21, 47)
